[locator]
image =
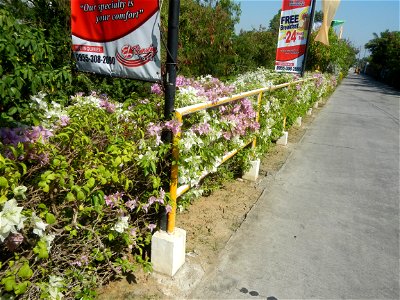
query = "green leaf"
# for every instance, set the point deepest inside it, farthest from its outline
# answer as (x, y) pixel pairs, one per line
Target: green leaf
(3, 182)
(88, 174)
(42, 184)
(56, 162)
(42, 206)
(9, 283)
(13, 109)
(70, 197)
(91, 182)
(21, 287)
(117, 162)
(24, 168)
(80, 196)
(51, 176)
(3, 199)
(25, 271)
(115, 178)
(46, 188)
(100, 257)
(41, 250)
(50, 218)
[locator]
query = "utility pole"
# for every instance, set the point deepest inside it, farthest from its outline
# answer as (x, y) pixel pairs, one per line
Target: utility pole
(172, 56)
(310, 25)
(170, 79)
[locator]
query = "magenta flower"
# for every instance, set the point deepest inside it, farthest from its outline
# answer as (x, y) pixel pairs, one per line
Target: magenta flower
(154, 129)
(131, 204)
(151, 201)
(108, 106)
(152, 227)
(156, 89)
(202, 128)
(38, 132)
(113, 199)
(162, 194)
(82, 261)
(174, 126)
(227, 135)
(145, 208)
(168, 209)
(64, 121)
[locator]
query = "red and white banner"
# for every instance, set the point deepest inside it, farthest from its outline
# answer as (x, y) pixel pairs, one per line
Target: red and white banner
(117, 37)
(292, 38)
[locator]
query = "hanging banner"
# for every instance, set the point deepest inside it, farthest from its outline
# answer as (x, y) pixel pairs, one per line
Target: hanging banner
(292, 36)
(117, 37)
(329, 8)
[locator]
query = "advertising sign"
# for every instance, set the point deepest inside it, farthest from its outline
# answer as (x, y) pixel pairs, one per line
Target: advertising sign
(292, 36)
(117, 37)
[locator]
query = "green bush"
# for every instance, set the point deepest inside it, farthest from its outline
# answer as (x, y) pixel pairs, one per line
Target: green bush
(26, 59)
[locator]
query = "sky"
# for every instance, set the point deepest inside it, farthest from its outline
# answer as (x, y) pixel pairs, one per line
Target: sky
(362, 17)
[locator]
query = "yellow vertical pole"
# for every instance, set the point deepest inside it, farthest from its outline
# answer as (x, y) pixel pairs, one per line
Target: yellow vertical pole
(284, 122)
(174, 178)
(259, 99)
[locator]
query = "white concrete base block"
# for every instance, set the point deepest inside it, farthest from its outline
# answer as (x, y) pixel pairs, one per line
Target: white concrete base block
(252, 174)
(316, 104)
(283, 139)
(297, 123)
(168, 251)
(309, 112)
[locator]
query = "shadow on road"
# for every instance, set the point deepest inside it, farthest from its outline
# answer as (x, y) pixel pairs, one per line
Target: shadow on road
(370, 85)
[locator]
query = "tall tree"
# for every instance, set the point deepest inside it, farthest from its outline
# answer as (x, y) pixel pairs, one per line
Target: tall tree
(385, 56)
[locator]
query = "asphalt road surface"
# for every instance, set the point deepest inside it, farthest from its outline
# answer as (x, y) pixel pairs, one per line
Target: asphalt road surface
(328, 225)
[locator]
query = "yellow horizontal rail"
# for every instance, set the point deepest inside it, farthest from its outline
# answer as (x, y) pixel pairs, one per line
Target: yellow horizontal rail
(184, 188)
(176, 191)
(204, 105)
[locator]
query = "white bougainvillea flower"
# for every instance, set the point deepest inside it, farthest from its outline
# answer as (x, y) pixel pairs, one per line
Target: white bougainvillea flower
(121, 225)
(56, 283)
(11, 219)
(39, 225)
(49, 238)
(19, 191)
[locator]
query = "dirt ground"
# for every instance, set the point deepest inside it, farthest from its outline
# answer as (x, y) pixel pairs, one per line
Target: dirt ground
(209, 223)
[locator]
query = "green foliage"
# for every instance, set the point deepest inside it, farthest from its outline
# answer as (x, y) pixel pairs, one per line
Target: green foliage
(205, 46)
(26, 59)
(92, 176)
(385, 57)
(255, 48)
(338, 57)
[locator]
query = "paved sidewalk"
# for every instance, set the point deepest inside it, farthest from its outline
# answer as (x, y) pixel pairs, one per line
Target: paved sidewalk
(328, 226)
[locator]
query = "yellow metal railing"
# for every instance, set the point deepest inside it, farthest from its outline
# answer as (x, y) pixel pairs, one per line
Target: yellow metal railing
(176, 191)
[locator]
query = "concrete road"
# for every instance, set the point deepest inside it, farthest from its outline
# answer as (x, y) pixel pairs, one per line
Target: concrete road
(328, 226)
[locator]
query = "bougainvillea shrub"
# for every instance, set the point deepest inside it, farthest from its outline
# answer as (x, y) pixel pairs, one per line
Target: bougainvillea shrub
(81, 192)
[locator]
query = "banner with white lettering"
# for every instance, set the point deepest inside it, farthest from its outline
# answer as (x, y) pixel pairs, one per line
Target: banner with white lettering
(117, 37)
(292, 38)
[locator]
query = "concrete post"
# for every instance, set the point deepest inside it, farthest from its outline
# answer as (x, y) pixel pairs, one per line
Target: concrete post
(283, 140)
(168, 251)
(298, 121)
(252, 174)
